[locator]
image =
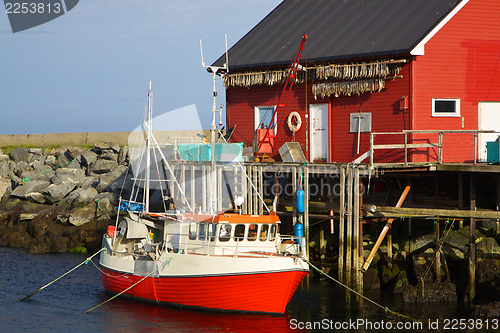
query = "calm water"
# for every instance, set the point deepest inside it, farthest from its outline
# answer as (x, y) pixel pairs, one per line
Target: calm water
(60, 307)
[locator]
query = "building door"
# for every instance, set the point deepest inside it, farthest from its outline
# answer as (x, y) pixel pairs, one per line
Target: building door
(489, 119)
(319, 132)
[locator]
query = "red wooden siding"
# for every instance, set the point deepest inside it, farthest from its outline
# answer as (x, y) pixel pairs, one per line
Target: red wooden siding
(241, 103)
(386, 117)
(384, 106)
(461, 61)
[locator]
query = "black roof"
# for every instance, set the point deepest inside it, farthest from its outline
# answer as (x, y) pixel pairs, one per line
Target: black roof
(337, 30)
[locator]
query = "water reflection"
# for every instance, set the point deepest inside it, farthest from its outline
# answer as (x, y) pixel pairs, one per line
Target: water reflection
(130, 316)
(60, 307)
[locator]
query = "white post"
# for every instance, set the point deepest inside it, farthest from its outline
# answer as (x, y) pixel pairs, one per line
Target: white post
(148, 154)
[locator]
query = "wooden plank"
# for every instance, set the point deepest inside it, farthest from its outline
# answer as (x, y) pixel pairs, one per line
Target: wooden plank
(468, 167)
(409, 145)
(424, 212)
(384, 232)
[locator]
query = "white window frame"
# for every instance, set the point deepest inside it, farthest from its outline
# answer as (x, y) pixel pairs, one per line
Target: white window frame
(446, 114)
(257, 110)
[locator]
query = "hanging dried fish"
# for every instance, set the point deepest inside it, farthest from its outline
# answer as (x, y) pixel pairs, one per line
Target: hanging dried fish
(323, 72)
(347, 88)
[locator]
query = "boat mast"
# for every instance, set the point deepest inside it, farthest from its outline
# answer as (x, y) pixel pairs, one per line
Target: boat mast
(213, 203)
(223, 71)
(148, 146)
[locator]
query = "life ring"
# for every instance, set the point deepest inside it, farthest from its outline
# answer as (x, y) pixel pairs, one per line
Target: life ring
(294, 125)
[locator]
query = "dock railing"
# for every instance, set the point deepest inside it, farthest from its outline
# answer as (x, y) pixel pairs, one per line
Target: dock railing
(407, 145)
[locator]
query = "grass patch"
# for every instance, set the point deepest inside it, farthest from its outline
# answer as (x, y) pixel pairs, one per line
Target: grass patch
(7, 149)
(85, 146)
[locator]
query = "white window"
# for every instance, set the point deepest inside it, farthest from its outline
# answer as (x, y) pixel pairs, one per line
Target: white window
(193, 228)
(263, 116)
(224, 232)
(446, 107)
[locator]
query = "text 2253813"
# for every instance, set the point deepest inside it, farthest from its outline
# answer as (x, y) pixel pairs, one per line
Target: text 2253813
(32, 8)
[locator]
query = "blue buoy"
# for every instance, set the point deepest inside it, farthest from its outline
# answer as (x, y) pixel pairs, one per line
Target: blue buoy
(298, 231)
(300, 201)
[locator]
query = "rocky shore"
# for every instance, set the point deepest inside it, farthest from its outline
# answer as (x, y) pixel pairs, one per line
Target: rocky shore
(62, 199)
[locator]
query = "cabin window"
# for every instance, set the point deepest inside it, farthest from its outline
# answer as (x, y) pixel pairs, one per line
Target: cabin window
(224, 232)
(263, 116)
(239, 232)
(211, 231)
(445, 107)
(272, 232)
(193, 228)
(252, 232)
(202, 231)
(263, 232)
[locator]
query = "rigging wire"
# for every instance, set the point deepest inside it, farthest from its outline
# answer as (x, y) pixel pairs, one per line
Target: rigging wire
(246, 175)
(71, 270)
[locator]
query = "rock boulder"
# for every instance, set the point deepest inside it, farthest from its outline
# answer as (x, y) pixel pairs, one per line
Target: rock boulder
(53, 193)
(31, 186)
(19, 155)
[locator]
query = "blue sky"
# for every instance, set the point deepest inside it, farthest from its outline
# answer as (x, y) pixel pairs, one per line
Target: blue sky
(89, 70)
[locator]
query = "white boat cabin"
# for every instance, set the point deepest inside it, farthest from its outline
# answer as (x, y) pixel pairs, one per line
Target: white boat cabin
(222, 235)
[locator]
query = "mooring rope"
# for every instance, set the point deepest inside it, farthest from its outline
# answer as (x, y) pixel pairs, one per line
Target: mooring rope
(29, 178)
(144, 278)
(386, 309)
(71, 270)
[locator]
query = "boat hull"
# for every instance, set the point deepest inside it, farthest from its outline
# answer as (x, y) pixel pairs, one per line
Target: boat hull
(267, 292)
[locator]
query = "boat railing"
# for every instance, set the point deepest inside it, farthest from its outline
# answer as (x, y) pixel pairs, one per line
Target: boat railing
(293, 244)
(415, 141)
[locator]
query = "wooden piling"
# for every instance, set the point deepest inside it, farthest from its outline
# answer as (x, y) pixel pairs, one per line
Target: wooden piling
(358, 276)
(349, 235)
(498, 203)
(472, 245)
(437, 262)
(361, 257)
(460, 197)
(341, 225)
(332, 226)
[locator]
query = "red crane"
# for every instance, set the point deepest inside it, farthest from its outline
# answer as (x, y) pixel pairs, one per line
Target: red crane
(266, 138)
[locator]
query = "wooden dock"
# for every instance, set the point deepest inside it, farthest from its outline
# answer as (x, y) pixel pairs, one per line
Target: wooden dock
(340, 199)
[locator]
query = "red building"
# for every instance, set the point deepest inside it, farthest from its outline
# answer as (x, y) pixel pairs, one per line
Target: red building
(373, 66)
